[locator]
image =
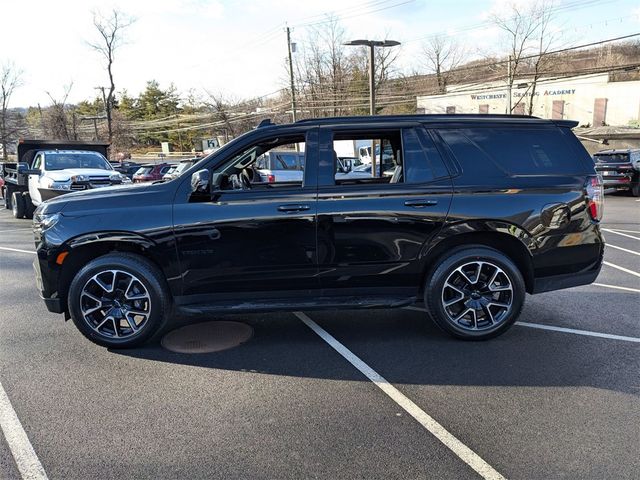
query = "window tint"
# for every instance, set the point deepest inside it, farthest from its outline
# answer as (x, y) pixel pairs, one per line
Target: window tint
(515, 151)
(612, 158)
(434, 163)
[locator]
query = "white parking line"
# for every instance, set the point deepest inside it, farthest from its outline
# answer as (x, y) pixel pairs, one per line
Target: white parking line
(456, 446)
(23, 453)
(622, 269)
(625, 231)
(579, 332)
(16, 250)
(623, 249)
(627, 289)
(17, 230)
(620, 233)
(559, 329)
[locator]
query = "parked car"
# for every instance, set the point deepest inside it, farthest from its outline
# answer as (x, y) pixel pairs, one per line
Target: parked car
(1, 187)
(280, 166)
(620, 169)
(126, 168)
(151, 172)
(168, 175)
(481, 210)
(182, 167)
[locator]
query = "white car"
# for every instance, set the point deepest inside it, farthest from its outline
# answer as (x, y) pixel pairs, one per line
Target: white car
(55, 172)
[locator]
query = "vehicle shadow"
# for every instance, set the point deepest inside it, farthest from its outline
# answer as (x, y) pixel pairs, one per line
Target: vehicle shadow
(405, 347)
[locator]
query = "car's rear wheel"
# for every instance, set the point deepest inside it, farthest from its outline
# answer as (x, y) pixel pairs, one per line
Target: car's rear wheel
(635, 189)
(475, 293)
(17, 204)
(119, 300)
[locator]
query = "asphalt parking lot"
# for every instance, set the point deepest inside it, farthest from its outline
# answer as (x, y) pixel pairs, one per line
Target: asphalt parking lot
(558, 396)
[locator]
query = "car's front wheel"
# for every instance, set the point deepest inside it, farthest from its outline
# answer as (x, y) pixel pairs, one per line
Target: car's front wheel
(119, 300)
(475, 293)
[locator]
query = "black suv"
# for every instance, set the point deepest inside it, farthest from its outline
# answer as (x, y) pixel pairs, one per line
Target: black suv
(470, 213)
(620, 169)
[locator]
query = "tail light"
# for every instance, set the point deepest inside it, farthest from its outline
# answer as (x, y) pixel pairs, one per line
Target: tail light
(595, 197)
(271, 178)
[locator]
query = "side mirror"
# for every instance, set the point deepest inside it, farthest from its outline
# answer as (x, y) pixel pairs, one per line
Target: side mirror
(200, 181)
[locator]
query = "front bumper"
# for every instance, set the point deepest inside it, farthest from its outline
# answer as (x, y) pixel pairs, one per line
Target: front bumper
(47, 283)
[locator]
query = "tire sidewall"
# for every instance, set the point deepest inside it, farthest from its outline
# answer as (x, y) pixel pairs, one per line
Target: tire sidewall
(17, 204)
(138, 267)
(436, 279)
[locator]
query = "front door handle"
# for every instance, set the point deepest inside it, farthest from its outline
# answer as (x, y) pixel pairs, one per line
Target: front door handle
(293, 207)
(420, 203)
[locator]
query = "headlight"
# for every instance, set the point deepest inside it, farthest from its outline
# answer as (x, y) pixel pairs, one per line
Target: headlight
(56, 185)
(45, 222)
(80, 178)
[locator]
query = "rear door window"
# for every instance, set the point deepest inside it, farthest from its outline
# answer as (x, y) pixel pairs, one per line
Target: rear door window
(514, 151)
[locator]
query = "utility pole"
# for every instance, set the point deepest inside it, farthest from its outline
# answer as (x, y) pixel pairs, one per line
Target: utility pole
(509, 83)
(293, 87)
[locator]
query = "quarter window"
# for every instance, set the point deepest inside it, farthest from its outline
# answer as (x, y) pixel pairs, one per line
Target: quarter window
(515, 151)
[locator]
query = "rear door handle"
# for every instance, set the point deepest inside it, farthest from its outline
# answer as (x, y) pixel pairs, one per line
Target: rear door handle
(420, 203)
(293, 207)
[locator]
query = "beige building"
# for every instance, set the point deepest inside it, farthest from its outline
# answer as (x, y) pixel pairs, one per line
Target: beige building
(592, 100)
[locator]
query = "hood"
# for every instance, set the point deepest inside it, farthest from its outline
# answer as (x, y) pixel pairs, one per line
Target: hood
(65, 175)
(98, 197)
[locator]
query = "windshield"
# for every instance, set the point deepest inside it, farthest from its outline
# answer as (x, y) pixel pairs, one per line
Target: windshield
(62, 161)
(612, 158)
(143, 170)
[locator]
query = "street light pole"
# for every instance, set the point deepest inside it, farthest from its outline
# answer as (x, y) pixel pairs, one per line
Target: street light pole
(372, 80)
(372, 44)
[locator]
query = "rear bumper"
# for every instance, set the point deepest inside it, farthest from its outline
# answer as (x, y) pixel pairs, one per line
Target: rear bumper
(558, 282)
(567, 280)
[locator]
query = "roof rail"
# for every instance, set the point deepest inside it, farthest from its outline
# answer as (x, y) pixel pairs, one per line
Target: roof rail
(420, 117)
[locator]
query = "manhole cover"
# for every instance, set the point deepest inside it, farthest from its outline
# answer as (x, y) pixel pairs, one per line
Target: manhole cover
(207, 337)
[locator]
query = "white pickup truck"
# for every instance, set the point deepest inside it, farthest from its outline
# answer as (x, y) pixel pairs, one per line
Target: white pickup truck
(44, 172)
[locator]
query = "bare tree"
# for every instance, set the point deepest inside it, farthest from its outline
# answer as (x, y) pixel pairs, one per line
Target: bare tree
(520, 25)
(546, 39)
(442, 55)
(57, 122)
(10, 79)
(110, 30)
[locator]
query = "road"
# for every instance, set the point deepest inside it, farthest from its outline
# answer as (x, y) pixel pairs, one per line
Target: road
(534, 403)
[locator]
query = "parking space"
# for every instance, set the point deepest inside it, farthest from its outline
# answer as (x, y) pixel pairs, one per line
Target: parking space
(531, 404)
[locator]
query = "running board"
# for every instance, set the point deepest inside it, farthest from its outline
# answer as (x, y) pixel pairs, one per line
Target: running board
(275, 305)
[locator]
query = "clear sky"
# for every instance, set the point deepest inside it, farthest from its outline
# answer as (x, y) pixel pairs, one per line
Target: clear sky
(238, 47)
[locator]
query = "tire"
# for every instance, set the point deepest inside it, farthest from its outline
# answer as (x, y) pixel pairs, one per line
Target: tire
(635, 190)
(7, 197)
(17, 204)
(466, 300)
(29, 207)
(99, 320)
